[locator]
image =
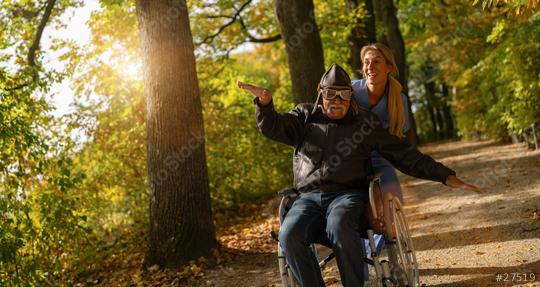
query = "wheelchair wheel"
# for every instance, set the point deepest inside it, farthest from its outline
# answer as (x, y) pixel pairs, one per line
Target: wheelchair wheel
(287, 278)
(401, 254)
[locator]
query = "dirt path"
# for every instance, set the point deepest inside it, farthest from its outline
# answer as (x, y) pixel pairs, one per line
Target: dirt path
(461, 238)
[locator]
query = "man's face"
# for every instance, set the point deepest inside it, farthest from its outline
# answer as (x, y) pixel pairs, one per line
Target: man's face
(375, 68)
(335, 108)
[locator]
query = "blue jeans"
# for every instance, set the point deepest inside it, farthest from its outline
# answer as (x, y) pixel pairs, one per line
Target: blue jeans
(341, 216)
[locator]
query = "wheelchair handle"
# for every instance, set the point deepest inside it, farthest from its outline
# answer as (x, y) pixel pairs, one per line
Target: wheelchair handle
(376, 178)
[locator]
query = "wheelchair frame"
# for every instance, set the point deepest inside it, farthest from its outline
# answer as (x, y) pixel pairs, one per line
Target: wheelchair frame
(398, 268)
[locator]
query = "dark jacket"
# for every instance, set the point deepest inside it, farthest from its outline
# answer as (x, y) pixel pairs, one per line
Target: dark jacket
(335, 155)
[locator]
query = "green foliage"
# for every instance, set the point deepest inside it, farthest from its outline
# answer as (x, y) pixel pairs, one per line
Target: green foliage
(110, 122)
(40, 232)
(242, 164)
(114, 159)
(218, 27)
(335, 24)
(488, 56)
(507, 79)
(74, 190)
(521, 8)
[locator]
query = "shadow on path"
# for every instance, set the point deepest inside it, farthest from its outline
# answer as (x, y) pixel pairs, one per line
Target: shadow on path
(246, 269)
(444, 149)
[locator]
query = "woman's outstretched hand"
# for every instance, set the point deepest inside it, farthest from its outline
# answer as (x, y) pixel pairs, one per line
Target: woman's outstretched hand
(455, 182)
(264, 95)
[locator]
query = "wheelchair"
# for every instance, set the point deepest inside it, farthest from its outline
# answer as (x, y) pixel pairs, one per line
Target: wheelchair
(393, 259)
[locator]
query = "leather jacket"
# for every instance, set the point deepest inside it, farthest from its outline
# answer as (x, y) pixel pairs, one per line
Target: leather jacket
(334, 155)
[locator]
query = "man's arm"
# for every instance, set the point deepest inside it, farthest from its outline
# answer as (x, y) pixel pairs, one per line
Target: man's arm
(409, 160)
(287, 128)
(264, 95)
(455, 182)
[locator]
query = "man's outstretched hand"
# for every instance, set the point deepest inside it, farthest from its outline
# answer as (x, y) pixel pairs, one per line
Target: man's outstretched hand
(264, 95)
(455, 182)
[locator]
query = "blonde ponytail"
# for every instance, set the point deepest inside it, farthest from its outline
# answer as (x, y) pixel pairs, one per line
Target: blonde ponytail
(396, 116)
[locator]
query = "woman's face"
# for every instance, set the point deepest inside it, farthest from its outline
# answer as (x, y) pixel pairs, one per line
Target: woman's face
(375, 68)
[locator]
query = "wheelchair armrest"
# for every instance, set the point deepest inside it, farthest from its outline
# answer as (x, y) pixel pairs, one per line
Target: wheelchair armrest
(288, 192)
(288, 196)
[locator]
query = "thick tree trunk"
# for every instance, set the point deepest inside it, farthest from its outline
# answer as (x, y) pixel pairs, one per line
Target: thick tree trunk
(362, 34)
(181, 225)
(304, 48)
(393, 38)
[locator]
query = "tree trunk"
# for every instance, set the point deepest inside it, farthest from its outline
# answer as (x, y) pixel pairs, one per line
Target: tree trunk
(362, 34)
(394, 39)
(447, 112)
(440, 123)
(181, 225)
(377, 9)
(431, 107)
(303, 45)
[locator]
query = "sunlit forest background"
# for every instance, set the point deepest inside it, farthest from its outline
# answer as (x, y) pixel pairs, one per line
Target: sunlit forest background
(73, 186)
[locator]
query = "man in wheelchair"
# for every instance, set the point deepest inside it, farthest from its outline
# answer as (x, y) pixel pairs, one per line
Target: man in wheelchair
(332, 141)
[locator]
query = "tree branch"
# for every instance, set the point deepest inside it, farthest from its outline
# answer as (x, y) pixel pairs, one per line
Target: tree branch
(216, 16)
(254, 39)
(265, 40)
(39, 33)
(235, 17)
(210, 38)
(31, 57)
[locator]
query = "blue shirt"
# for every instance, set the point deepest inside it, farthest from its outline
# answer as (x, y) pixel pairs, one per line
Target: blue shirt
(379, 163)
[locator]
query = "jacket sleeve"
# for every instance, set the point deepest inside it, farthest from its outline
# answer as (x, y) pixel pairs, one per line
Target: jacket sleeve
(407, 158)
(287, 128)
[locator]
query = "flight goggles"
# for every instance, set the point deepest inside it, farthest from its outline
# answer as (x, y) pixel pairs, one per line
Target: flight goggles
(330, 94)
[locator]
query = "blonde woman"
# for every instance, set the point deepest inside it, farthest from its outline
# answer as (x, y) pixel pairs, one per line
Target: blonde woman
(380, 93)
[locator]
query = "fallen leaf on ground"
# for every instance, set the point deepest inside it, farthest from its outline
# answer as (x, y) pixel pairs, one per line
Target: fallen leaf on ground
(536, 214)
